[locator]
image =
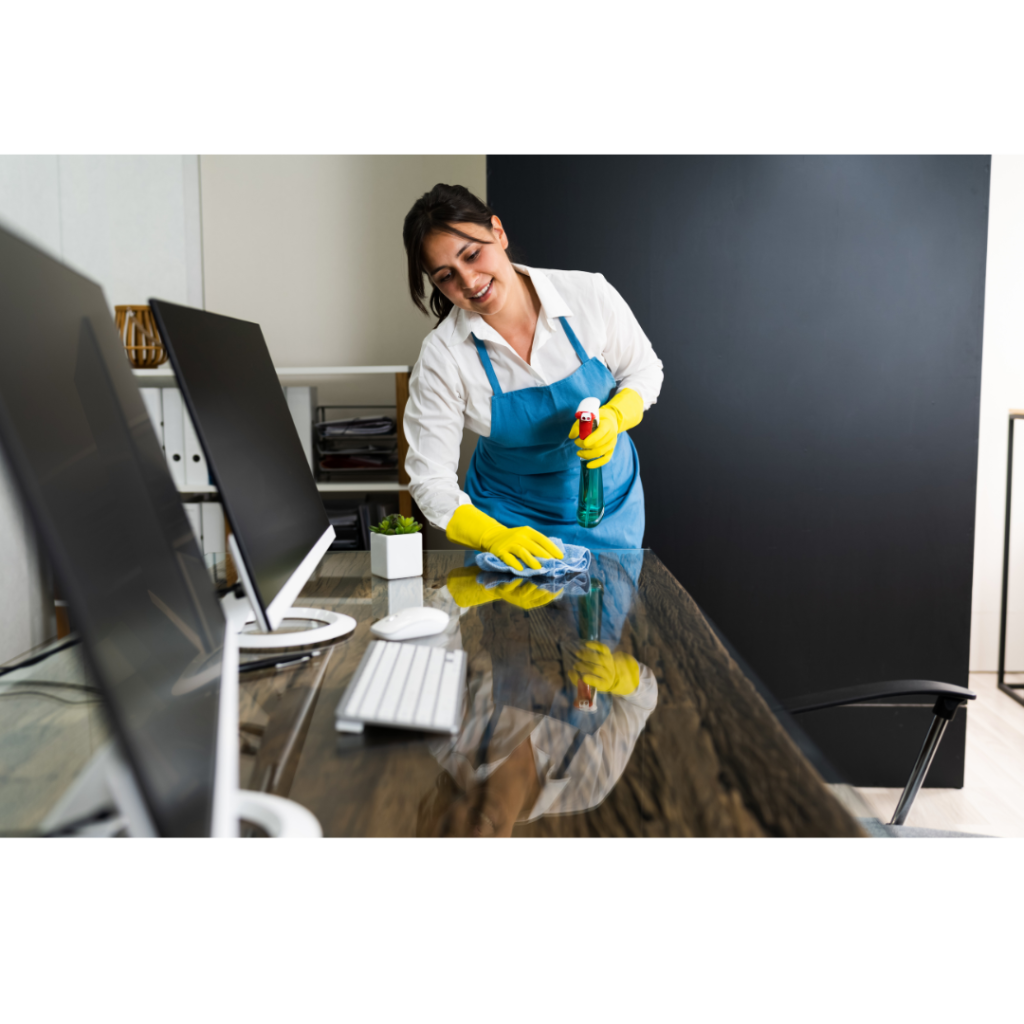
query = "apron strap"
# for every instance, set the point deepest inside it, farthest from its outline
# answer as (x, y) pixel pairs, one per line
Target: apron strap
(581, 352)
(573, 750)
(485, 360)
(485, 740)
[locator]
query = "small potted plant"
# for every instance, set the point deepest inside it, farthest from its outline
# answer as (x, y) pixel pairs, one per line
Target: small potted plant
(396, 548)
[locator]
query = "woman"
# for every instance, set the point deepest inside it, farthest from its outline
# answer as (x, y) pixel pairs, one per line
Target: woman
(514, 352)
(509, 764)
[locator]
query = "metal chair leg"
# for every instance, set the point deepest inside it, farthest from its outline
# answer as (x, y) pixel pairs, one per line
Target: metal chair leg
(944, 710)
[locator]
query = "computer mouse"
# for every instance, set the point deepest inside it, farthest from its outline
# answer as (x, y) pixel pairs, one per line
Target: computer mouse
(409, 623)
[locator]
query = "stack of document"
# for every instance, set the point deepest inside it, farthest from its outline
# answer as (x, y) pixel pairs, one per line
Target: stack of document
(360, 426)
(351, 522)
(363, 443)
(369, 457)
(347, 536)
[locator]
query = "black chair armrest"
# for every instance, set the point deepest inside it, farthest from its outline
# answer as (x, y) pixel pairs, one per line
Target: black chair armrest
(947, 699)
(877, 691)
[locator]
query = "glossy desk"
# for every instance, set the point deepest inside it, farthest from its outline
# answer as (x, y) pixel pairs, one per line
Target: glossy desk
(694, 752)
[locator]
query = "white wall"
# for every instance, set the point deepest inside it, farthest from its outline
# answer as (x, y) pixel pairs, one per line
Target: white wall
(310, 247)
(130, 223)
(1002, 388)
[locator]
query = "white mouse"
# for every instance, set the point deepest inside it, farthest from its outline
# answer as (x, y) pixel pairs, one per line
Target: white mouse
(409, 623)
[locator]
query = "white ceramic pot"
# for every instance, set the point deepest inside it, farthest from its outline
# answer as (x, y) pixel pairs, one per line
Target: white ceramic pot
(397, 556)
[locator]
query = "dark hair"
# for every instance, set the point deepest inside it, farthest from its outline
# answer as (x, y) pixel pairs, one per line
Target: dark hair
(438, 210)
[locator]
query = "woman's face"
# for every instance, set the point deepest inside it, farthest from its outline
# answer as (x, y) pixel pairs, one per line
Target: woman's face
(475, 275)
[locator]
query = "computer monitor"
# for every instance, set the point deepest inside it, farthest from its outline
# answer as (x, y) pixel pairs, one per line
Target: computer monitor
(81, 446)
(279, 527)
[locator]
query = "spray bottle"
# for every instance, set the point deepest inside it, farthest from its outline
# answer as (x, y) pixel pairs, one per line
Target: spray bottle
(591, 606)
(590, 509)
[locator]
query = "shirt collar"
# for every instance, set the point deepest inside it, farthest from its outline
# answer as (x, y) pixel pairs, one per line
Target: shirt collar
(461, 323)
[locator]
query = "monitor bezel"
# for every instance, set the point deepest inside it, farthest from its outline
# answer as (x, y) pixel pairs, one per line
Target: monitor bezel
(49, 536)
(268, 616)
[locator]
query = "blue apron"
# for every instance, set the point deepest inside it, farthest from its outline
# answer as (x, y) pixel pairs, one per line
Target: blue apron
(527, 473)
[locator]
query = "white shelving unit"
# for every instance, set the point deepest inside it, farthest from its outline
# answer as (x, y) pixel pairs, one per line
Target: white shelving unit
(164, 377)
(165, 374)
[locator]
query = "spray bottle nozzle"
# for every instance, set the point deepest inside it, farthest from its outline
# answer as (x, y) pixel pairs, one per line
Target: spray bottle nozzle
(588, 413)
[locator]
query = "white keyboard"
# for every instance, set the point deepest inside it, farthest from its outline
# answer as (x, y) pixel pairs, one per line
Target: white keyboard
(405, 686)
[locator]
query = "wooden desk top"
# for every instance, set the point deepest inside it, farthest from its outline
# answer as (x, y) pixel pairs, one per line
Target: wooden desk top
(694, 751)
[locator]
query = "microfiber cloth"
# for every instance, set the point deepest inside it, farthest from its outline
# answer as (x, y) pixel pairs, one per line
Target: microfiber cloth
(571, 585)
(577, 559)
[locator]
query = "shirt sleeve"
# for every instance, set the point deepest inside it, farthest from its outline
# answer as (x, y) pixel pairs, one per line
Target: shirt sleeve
(628, 353)
(602, 758)
(434, 419)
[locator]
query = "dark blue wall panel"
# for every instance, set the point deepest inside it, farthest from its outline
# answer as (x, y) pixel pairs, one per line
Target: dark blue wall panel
(810, 467)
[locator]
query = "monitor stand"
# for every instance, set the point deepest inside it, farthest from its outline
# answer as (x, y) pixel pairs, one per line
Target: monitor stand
(104, 800)
(333, 624)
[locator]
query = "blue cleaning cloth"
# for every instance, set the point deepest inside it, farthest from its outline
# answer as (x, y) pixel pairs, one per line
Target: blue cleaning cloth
(570, 585)
(577, 559)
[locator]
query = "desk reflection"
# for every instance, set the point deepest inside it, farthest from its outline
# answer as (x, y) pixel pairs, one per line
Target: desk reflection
(549, 734)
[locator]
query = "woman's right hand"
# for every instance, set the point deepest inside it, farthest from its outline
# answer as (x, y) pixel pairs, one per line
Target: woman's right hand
(467, 591)
(511, 544)
(597, 666)
(476, 529)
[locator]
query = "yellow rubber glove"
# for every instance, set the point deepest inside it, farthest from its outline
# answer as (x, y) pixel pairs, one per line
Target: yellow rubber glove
(526, 595)
(625, 409)
(478, 530)
(596, 666)
(467, 592)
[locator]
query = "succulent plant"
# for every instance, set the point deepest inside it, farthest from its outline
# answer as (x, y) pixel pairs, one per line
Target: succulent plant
(397, 524)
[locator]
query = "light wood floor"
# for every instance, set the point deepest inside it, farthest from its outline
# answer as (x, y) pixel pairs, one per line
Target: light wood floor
(992, 800)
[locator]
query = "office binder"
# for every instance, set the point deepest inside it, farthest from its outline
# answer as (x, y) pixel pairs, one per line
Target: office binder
(155, 407)
(174, 435)
(213, 528)
(192, 510)
(302, 406)
(196, 472)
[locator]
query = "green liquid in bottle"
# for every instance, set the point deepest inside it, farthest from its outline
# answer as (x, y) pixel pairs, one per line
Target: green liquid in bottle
(590, 510)
(591, 607)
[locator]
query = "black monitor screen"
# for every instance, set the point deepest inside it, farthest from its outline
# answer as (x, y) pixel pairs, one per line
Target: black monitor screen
(81, 445)
(241, 415)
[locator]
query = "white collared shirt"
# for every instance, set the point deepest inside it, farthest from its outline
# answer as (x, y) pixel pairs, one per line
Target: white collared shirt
(449, 390)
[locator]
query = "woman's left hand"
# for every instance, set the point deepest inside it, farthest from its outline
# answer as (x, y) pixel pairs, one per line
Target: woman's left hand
(600, 445)
(624, 410)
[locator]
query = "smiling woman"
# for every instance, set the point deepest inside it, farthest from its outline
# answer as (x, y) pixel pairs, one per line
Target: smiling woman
(449, 209)
(513, 354)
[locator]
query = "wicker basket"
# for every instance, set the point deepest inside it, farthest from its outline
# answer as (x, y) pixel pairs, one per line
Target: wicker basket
(141, 339)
